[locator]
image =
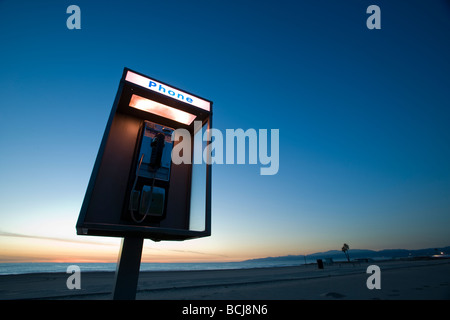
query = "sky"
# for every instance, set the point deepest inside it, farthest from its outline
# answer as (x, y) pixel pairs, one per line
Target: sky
(363, 118)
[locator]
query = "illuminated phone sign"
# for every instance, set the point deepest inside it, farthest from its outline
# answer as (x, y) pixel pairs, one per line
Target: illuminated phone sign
(167, 90)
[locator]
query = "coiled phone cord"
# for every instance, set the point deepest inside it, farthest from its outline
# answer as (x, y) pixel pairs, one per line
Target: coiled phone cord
(151, 194)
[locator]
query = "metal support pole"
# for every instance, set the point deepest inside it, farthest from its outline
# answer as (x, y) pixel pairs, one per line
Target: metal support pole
(127, 272)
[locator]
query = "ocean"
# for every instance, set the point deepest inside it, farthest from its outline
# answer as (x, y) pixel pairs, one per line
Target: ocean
(48, 267)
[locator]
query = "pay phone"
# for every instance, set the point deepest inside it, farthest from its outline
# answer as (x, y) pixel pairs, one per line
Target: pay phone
(149, 183)
(135, 189)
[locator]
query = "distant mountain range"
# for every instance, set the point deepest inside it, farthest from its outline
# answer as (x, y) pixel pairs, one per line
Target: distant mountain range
(338, 255)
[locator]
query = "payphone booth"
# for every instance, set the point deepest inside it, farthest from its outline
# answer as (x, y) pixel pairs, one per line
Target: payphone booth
(136, 191)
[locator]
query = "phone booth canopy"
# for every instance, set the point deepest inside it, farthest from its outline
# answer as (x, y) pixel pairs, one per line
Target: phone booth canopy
(135, 189)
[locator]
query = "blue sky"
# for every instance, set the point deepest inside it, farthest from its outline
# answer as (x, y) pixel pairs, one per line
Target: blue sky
(363, 118)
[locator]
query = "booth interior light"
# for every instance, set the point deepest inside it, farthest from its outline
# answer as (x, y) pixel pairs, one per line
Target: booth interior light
(161, 109)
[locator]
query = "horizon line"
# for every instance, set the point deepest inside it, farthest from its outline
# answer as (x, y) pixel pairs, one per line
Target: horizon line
(75, 261)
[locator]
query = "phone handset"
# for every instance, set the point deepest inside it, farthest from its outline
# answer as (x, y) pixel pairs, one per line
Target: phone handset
(157, 145)
(157, 151)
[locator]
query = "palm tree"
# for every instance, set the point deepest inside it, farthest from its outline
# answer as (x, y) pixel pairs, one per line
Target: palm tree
(345, 248)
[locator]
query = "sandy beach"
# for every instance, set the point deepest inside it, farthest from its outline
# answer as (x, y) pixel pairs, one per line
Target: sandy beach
(400, 280)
